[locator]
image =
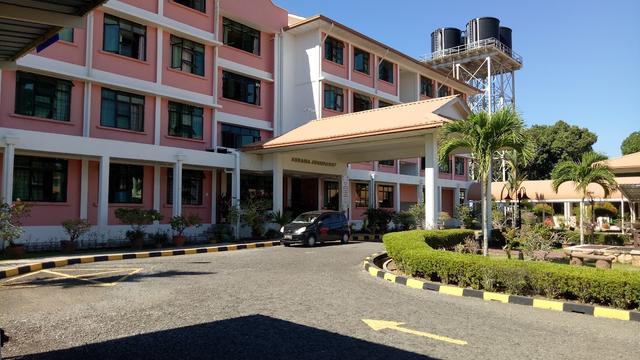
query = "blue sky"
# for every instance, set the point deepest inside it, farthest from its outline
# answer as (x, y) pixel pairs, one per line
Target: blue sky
(581, 58)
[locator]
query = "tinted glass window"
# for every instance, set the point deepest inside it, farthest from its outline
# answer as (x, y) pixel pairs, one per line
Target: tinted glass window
(42, 96)
(241, 36)
(39, 179)
(240, 88)
(124, 37)
(334, 50)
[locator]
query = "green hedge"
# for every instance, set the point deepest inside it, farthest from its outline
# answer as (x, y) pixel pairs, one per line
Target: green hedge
(600, 238)
(414, 253)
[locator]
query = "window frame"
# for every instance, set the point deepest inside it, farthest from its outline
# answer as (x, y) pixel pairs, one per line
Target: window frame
(133, 33)
(246, 33)
(117, 173)
(389, 163)
(196, 65)
(188, 177)
(39, 82)
(459, 161)
(362, 195)
(445, 168)
(428, 89)
(389, 72)
(385, 196)
(443, 91)
(243, 82)
(46, 175)
(365, 64)
(336, 98)
(237, 139)
(66, 34)
(334, 50)
(330, 187)
(180, 110)
(117, 107)
(359, 98)
(193, 5)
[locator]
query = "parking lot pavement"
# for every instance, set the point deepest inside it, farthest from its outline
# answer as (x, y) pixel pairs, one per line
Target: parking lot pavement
(279, 303)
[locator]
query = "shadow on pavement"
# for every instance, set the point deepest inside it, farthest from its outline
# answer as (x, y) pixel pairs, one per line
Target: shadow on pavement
(249, 337)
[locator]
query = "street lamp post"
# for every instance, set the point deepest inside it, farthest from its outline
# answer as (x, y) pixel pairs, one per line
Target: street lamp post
(520, 195)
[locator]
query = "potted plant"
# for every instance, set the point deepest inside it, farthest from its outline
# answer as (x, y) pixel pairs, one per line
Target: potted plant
(75, 228)
(160, 238)
(220, 233)
(11, 227)
(180, 223)
(137, 219)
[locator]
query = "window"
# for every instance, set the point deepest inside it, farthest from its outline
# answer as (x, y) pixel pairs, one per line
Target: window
(257, 187)
(66, 34)
(443, 91)
(236, 136)
(423, 163)
(387, 162)
(426, 87)
(333, 50)
(361, 61)
(39, 179)
(463, 196)
(185, 120)
(240, 88)
(385, 196)
(459, 166)
(361, 102)
(191, 187)
(333, 98)
(187, 56)
(125, 184)
(241, 36)
(125, 38)
(43, 96)
(383, 104)
(122, 110)
(385, 71)
(194, 4)
(331, 195)
(362, 195)
(446, 167)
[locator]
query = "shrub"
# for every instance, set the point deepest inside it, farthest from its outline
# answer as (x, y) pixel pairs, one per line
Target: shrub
(75, 228)
(414, 253)
(599, 238)
(543, 210)
(180, 223)
(417, 213)
(137, 219)
(605, 209)
(378, 219)
(220, 233)
(404, 221)
(465, 214)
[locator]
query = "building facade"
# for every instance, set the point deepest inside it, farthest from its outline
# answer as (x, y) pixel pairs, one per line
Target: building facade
(148, 103)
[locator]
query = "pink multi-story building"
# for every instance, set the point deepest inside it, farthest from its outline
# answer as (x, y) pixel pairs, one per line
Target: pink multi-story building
(150, 92)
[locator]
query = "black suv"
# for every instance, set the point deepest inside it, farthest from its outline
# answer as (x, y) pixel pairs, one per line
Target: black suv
(315, 227)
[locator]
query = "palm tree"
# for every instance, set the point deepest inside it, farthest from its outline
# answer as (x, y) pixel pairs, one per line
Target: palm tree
(483, 134)
(515, 178)
(589, 170)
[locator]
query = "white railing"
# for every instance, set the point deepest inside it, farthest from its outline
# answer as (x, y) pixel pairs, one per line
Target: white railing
(474, 45)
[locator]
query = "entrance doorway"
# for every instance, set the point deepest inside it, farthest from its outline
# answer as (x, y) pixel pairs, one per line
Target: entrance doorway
(304, 195)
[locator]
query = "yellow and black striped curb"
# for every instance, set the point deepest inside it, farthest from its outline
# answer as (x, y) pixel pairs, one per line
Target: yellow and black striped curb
(19, 270)
(366, 237)
(555, 305)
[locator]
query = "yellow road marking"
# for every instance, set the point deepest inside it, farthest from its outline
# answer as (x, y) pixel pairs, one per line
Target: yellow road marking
(166, 253)
(35, 267)
(413, 283)
(451, 290)
(611, 313)
(114, 257)
(60, 263)
(232, 247)
(378, 325)
(251, 246)
(547, 304)
(389, 277)
(503, 298)
(373, 271)
(87, 259)
(190, 251)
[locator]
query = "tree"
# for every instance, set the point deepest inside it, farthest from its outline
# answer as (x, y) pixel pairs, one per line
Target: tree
(482, 135)
(631, 144)
(588, 170)
(554, 144)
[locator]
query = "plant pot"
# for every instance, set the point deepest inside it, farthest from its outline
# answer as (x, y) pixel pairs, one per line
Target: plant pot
(137, 243)
(15, 251)
(179, 240)
(67, 246)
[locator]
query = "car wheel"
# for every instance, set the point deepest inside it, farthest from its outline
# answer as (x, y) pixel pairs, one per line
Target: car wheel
(311, 241)
(345, 238)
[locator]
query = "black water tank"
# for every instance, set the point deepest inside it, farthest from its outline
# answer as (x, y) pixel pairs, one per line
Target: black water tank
(445, 38)
(505, 36)
(483, 28)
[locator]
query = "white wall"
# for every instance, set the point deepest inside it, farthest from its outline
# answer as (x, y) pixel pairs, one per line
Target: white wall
(408, 86)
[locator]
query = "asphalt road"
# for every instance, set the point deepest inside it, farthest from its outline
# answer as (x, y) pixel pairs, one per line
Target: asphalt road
(278, 303)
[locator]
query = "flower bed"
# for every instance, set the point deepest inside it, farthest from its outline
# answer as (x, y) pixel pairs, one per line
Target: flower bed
(415, 253)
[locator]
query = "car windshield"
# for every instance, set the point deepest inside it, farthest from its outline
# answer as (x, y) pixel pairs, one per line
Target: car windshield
(306, 218)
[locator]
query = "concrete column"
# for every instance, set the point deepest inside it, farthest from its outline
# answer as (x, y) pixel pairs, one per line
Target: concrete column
(622, 215)
(7, 169)
(456, 200)
(103, 192)
(396, 197)
(431, 165)
(84, 189)
(177, 186)
(345, 195)
(156, 187)
(567, 211)
(278, 184)
(214, 196)
(320, 202)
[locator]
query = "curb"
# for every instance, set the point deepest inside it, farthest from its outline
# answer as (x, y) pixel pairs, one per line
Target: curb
(366, 237)
(24, 269)
(555, 305)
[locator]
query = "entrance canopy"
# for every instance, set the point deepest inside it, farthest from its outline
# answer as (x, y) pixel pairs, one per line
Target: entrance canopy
(393, 132)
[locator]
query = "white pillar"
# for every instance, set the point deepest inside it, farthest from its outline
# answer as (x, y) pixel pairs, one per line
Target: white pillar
(345, 195)
(7, 169)
(567, 211)
(156, 187)
(622, 215)
(103, 192)
(320, 203)
(278, 184)
(235, 189)
(430, 166)
(214, 195)
(177, 186)
(84, 189)
(456, 200)
(396, 197)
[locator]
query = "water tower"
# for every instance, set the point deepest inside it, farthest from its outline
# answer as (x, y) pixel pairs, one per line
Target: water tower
(481, 56)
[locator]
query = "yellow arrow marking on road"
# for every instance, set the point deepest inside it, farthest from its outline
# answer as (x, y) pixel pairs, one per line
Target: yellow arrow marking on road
(378, 325)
